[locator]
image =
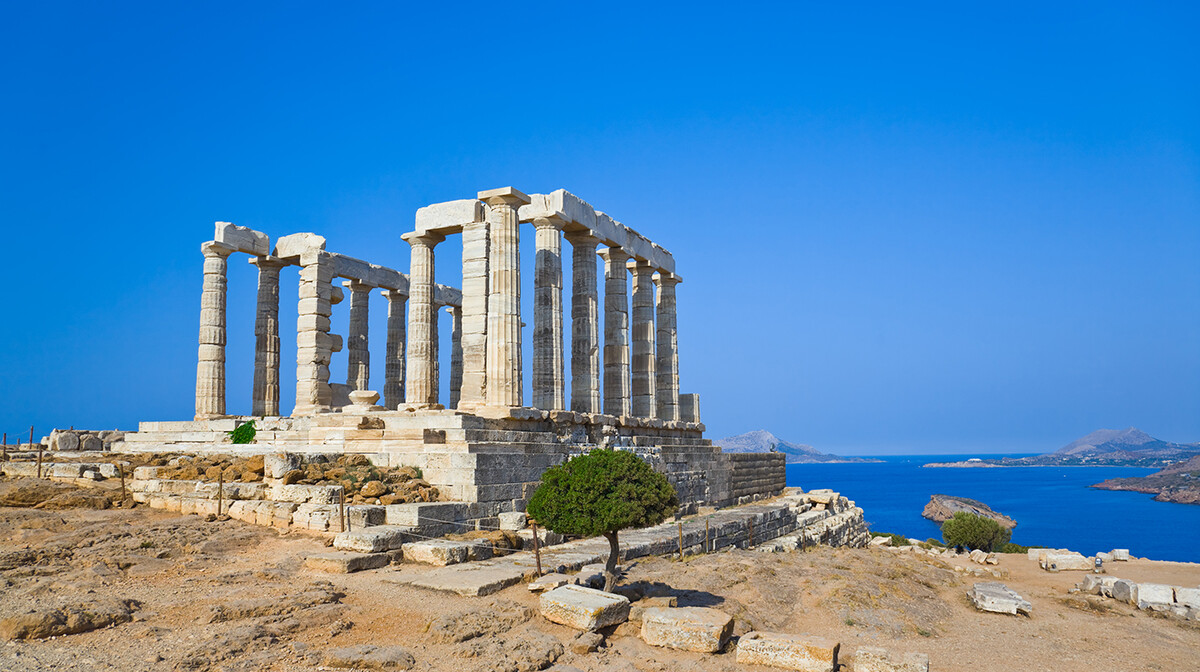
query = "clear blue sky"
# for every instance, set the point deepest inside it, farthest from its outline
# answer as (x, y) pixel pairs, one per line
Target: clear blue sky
(902, 228)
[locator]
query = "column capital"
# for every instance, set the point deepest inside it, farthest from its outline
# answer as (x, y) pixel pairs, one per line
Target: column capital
(551, 222)
(214, 249)
(639, 265)
(393, 294)
(357, 285)
(422, 239)
(665, 278)
(267, 262)
(503, 196)
(577, 238)
(614, 254)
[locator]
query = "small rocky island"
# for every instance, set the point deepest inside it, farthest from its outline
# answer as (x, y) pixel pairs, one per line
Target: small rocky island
(1179, 483)
(943, 507)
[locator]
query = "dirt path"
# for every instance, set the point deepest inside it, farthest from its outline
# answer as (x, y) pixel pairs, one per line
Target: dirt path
(226, 595)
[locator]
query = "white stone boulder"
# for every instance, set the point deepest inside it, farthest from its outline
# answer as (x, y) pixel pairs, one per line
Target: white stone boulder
(790, 652)
(1098, 584)
(1068, 561)
(1120, 554)
(977, 556)
(549, 582)
(687, 628)
(1124, 590)
(374, 539)
(1155, 596)
(875, 659)
(439, 552)
(999, 598)
(1188, 597)
(307, 494)
(512, 520)
(278, 464)
(584, 608)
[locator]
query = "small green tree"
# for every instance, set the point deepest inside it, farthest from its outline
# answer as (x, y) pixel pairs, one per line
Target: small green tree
(243, 433)
(974, 531)
(602, 492)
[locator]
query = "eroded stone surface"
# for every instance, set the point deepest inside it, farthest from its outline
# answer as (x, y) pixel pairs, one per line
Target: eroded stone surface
(999, 598)
(875, 659)
(687, 628)
(792, 652)
(583, 608)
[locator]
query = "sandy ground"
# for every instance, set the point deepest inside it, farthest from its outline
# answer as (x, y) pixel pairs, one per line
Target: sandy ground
(227, 595)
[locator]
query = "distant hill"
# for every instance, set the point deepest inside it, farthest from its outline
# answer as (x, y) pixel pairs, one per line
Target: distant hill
(762, 441)
(1179, 483)
(1130, 447)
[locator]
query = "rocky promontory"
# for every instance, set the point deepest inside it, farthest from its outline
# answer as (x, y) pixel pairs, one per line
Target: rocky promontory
(943, 507)
(1179, 483)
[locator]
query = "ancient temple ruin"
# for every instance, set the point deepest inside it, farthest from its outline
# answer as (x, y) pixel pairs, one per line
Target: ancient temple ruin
(478, 442)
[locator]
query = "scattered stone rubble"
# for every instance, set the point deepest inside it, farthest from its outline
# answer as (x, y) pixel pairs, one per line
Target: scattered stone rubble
(1178, 601)
(998, 598)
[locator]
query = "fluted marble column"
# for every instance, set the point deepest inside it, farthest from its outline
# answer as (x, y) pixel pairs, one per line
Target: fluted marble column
(210, 364)
(456, 355)
(549, 380)
(585, 324)
(314, 344)
(265, 399)
(474, 314)
(668, 348)
(504, 366)
(393, 359)
(616, 332)
(642, 335)
(358, 353)
(421, 385)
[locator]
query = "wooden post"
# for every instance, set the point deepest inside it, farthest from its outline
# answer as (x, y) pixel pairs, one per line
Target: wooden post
(121, 471)
(751, 533)
(537, 550)
(706, 548)
(220, 491)
(31, 437)
(681, 542)
(39, 461)
(342, 510)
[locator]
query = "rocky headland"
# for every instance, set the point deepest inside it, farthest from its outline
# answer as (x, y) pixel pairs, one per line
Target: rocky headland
(1179, 483)
(1128, 447)
(762, 441)
(943, 507)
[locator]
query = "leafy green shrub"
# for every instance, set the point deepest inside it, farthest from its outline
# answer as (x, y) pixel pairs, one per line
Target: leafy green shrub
(974, 532)
(602, 492)
(897, 539)
(243, 433)
(1012, 548)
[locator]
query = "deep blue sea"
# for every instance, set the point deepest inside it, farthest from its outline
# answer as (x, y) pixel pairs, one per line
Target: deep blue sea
(1053, 506)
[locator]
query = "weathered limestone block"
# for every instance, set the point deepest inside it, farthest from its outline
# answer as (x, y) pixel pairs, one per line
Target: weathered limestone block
(1125, 591)
(584, 608)
(375, 539)
(365, 515)
(638, 609)
(242, 239)
(141, 473)
(875, 659)
(20, 469)
(549, 582)
(687, 628)
(319, 517)
(1188, 597)
(278, 464)
(307, 494)
(345, 563)
(512, 520)
(1155, 596)
(439, 552)
(999, 598)
(1069, 561)
(1120, 554)
(792, 652)
(63, 470)
(978, 556)
(1097, 584)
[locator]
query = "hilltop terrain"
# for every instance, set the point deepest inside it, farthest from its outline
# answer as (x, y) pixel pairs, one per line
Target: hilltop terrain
(1179, 483)
(1128, 447)
(762, 441)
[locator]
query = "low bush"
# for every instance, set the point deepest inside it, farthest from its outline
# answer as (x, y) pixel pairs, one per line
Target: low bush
(975, 532)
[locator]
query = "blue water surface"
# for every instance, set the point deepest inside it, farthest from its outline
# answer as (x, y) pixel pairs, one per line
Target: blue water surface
(1053, 506)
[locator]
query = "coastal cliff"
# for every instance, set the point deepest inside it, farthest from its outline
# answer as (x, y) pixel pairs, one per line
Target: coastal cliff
(943, 507)
(1179, 483)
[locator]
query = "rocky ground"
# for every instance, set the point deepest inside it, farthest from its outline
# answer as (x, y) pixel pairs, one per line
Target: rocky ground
(1179, 483)
(149, 590)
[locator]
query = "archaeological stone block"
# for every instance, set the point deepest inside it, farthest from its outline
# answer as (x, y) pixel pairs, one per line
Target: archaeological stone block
(875, 659)
(365, 515)
(999, 598)
(345, 563)
(1069, 561)
(1155, 596)
(277, 464)
(439, 552)
(307, 494)
(1120, 554)
(549, 582)
(791, 652)
(375, 539)
(1188, 597)
(513, 520)
(687, 628)
(1125, 591)
(583, 608)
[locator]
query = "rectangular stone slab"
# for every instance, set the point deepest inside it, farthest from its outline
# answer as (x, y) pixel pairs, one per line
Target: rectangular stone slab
(999, 598)
(375, 539)
(583, 608)
(687, 628)
(469, 581)
(345, 563)
(791, 652)
(875, 659)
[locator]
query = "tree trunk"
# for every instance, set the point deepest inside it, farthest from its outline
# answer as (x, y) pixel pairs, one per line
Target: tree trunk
(610, 568)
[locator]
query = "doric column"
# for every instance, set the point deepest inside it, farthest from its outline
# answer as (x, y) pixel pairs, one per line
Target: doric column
(393, 360)
(616, 332)
(585, 325)
(456, 355)
(668, 348)
(358, 372)
(210, 364)
(549, 380)
(420, 385)
(265, 399)
(474, 313)
(503, 384)
(642, 337)
(314, 344)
